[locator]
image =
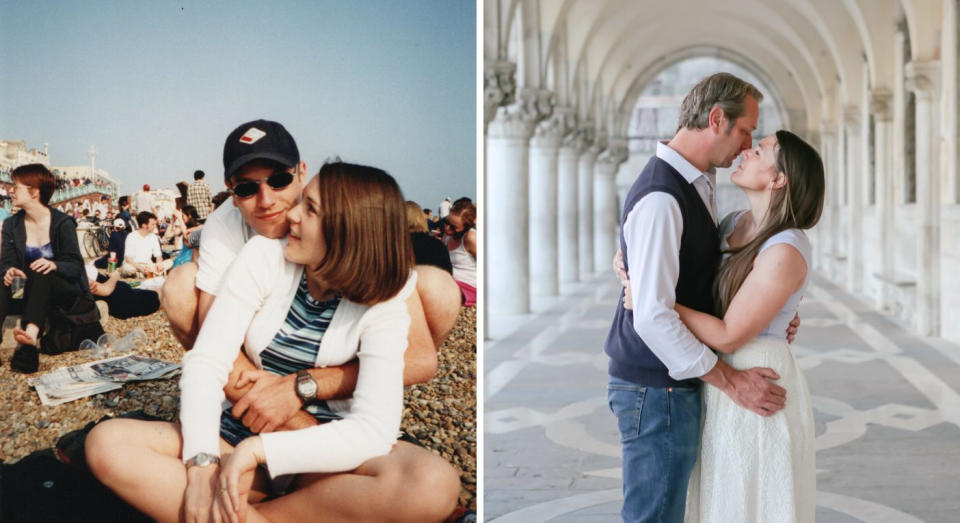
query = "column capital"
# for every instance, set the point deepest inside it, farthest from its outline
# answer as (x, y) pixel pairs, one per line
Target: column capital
(499, 86)
(881, 104)
(599, 142)
(580, 138)
(518, 120)
(851, 119)
(616, 152)
(923, 78)
(552, 131)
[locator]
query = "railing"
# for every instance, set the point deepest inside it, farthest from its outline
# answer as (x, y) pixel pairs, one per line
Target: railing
(70, 191)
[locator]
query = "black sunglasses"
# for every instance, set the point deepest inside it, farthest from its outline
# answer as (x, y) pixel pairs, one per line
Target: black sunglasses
(247, 188)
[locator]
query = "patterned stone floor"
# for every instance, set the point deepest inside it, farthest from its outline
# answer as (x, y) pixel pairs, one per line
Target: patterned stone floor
(886, 404)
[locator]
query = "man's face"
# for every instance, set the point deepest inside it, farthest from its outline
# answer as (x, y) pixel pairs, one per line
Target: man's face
(730, 143)
(266, 210)
(151, 226)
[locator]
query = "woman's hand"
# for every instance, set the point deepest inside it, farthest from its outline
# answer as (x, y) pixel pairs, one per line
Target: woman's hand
(12, 273)
(43, 266)
(237, 475)
(200, 503)
(621, 271)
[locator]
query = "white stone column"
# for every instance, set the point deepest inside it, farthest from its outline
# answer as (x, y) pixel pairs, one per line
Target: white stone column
(923, 79)
(544, 148)
(605, 222)
(854, 208)
(507, 246)
(824, 228)
(585, 173)
(568, 265)
(881, 106)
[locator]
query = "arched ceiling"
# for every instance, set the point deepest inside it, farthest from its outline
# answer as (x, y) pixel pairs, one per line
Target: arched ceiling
(639, 82)
(811, 51)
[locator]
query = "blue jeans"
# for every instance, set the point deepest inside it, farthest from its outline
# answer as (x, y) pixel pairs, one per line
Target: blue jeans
(659, 436)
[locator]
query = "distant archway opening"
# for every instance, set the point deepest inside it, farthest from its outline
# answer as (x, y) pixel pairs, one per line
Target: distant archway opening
(656, 113)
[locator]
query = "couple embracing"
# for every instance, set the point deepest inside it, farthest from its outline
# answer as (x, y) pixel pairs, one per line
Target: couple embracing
(713, 301)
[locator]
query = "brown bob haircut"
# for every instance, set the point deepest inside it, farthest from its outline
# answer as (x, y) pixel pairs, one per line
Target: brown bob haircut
(364, 225)
(416, 219)
(37, 176)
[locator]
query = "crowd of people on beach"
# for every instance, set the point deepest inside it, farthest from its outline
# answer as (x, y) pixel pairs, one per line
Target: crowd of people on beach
(304, 306)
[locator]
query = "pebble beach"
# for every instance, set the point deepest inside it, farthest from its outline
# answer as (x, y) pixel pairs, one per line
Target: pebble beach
(441, 414)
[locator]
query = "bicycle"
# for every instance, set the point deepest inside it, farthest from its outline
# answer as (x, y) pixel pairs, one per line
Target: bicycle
(96, 239)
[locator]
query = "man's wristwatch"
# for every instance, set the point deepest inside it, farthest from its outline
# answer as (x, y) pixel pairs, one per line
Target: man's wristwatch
(306, 387)
(202, 459)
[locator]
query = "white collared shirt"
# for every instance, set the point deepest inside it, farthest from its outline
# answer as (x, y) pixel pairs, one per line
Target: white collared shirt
(652, 234)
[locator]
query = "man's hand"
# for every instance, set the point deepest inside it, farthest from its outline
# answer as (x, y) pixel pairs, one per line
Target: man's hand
(269, 403)
(621, 271)
(751, 388)
(793, 327)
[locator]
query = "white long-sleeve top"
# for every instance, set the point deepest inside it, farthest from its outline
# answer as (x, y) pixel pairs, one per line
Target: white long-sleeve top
(652, 234)
(251, 305)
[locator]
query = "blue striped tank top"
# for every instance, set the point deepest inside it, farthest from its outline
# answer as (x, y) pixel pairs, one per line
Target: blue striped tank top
(292, 348)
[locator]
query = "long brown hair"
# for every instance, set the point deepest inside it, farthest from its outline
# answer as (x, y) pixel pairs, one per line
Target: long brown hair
(363, 222)
(796, 205)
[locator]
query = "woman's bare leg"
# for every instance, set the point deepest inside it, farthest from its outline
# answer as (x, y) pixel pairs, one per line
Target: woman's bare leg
(140, 461)
(409, 484)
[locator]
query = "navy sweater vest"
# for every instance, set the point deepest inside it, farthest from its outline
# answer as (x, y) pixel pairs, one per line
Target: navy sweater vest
(630, 358)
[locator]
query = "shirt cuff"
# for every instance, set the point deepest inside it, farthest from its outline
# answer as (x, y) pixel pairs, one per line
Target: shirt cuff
(700, 366)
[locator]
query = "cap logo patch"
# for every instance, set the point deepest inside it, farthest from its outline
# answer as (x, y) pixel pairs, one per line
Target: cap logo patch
(252, 135)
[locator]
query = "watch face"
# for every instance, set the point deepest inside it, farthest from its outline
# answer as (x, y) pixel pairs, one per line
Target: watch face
(306, 388)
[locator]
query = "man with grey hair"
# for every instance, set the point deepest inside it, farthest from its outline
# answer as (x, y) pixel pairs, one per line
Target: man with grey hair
(669, 238)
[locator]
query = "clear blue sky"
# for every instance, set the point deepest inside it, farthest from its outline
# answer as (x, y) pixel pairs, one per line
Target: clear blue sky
(157, 86)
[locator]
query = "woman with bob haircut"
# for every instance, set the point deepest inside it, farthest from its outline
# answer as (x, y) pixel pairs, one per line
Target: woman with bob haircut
(427, 250)
(39, 245)
(334, 290)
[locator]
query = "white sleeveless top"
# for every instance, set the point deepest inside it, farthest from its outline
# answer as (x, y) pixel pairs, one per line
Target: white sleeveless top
(793, 237)
(464, 265)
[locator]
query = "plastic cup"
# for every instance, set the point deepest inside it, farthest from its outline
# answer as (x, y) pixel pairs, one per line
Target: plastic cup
(132, 341)
(16, 288)
(98, 349)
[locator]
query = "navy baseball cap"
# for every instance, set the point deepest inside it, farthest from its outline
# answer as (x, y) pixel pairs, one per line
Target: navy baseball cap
(258, 140)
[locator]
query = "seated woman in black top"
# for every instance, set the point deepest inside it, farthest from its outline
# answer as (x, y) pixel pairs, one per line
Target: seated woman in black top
(40, 245)
(427, 250)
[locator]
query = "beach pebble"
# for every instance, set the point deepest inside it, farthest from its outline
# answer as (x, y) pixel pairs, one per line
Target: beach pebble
(440, 414)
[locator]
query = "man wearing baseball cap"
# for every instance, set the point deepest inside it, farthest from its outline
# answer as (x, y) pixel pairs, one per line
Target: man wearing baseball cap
(264, 173)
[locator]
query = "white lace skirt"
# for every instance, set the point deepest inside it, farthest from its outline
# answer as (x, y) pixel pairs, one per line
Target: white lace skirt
(753, 468)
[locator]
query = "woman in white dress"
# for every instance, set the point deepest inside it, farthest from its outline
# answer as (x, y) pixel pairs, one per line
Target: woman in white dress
(755, 468)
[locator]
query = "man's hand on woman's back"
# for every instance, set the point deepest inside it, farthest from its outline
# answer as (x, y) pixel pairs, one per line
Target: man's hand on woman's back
(750, 388)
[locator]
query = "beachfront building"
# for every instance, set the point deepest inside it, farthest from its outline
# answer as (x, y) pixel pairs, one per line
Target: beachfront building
(576, 94)
(15, 152)
(76, 184)
(83, 179)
